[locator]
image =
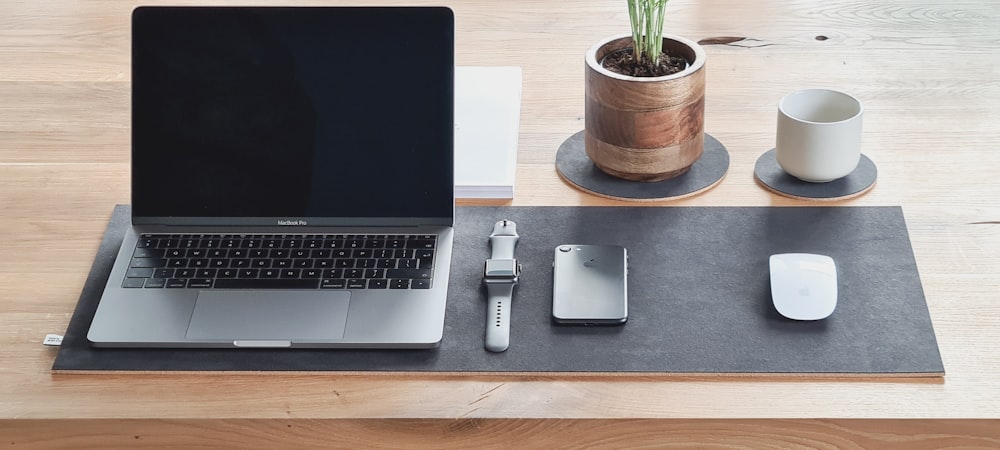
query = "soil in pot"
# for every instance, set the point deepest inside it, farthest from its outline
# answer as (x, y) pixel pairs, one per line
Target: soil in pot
(624, 62)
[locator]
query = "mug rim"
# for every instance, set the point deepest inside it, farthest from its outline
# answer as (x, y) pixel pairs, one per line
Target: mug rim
(860, 107)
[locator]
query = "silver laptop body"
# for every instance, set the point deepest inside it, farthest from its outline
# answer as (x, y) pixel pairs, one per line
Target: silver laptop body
(292, 179)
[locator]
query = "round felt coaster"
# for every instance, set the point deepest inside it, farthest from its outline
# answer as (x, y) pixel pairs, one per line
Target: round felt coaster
(576, 168)
(769, 174)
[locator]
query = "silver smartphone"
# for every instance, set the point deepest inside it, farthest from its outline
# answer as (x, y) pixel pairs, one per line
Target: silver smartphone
(589, 284)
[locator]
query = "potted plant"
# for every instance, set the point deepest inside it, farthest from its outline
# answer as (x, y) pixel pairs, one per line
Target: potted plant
(645, 99)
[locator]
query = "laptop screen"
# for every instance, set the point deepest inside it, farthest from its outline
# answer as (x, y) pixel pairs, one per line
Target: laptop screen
(308, 113)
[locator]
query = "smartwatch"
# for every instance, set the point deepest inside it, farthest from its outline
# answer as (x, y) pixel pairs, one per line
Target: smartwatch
(500, 277)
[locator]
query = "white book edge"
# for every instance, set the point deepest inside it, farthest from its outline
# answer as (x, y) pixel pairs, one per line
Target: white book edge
(487, 120)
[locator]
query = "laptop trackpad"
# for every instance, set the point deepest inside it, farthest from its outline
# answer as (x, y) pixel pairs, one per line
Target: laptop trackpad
(269, 315)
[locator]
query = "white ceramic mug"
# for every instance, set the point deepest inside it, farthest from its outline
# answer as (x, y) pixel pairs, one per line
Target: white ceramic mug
(819, 134)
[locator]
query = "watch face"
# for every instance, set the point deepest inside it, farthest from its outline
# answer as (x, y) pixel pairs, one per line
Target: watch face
(501, 268)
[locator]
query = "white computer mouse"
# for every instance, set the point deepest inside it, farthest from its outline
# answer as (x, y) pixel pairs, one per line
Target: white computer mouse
(803, 285)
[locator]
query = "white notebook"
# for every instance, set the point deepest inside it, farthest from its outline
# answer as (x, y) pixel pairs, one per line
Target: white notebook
(487, 117)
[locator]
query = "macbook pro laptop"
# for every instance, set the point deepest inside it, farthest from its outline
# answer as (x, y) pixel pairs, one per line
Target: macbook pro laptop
(292, 179)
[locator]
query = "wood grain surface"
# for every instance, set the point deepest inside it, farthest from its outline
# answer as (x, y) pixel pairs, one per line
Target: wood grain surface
(927, 71)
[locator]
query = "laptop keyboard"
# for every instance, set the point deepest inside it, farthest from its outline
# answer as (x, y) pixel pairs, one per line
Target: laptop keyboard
(286, 261)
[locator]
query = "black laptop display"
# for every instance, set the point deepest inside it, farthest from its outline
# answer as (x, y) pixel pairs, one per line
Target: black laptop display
(312, 113)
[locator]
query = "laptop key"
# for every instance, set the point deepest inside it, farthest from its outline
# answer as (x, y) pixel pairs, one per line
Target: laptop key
(227, 273)
(144, 252)
(408, 264)
(155, 283)
(133, 282)
(139, 273)
(167, 243)
(199, 283)
(269, 283)
(148, 262)
(408, 273)
(420, 284)
(420, 243)
(334, 283)
(425, 258)
(147, 242)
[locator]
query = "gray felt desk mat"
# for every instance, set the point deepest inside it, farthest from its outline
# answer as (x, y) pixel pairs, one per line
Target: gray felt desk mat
(698, 300)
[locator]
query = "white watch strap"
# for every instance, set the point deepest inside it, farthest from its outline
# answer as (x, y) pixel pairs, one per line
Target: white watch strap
(503, 246)
(500, 286)
(498, 316)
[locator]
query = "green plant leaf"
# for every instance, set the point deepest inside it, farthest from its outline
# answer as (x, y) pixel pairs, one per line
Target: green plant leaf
(647, 18)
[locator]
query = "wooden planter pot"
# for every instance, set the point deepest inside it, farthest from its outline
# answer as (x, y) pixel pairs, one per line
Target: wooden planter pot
(645, 128)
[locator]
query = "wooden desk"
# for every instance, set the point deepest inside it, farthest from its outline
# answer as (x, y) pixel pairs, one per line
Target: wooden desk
(927, 72)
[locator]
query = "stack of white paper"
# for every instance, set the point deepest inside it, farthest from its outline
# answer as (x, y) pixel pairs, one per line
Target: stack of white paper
(487, 116)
